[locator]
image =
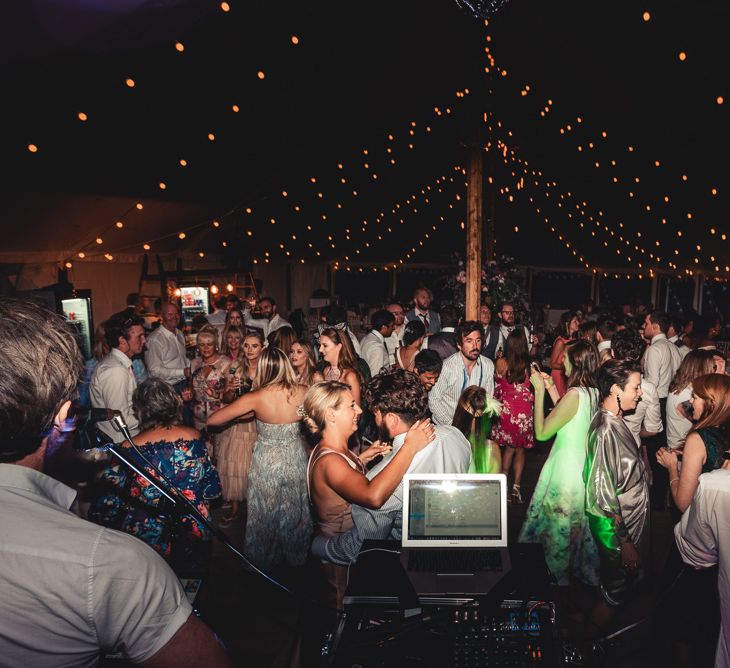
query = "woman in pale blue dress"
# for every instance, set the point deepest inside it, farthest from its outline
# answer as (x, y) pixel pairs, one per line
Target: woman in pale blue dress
(279, 523)
(556, 515)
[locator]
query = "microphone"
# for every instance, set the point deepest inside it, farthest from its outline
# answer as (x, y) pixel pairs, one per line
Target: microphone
(85, 417)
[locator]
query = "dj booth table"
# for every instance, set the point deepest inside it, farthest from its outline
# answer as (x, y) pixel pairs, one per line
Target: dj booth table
(386, 624)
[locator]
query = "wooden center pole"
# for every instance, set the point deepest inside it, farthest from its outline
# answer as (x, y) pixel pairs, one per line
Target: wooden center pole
(474, 194)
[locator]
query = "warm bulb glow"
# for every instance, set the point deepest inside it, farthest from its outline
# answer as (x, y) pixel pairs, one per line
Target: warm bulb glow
(130, 82)
(83, 116)
(682, 56)
(211, 136)
(236, 108)
(68, 265)
(216, 223)
(146, 246)
(294, 39)
(179, 47)
(139, 206)
(82, 255)
(120, 224)
(182, 235)
(32, 148)
(99, 240)
(183, 163)
(163, 185)
(720, 99)
(225, 7)
(214, 289)
(260, 74)
(646, 16)
(108, 256)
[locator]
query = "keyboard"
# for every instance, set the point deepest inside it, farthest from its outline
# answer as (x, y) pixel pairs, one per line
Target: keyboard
(454, 560)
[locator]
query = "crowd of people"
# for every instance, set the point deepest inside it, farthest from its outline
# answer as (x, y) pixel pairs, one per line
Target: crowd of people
(303, 437)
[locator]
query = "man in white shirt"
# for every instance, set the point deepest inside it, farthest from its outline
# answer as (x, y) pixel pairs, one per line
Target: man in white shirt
(165, 352)
(463, 369)
(72, 590)
(373, 345)
(397, 399)
(422, 299)
(507, 324)
(166, 359)
(218, 317)
(271, 320)
(674, 331)
(704, 541)
(661, 358)
(660, 363)
(646, 420)
(606, 329)
(393, 341)
(113, 382)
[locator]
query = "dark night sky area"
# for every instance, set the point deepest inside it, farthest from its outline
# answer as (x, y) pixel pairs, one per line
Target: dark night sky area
(359, 73)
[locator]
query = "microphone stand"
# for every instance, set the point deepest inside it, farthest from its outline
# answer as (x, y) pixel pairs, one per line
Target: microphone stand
(179, 501)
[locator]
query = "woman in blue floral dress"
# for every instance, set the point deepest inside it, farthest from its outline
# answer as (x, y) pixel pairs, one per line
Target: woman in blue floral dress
(178, 452)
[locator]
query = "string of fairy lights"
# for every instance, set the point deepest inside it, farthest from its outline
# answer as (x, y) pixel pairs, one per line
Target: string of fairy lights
(93, 247)
(593, 142)
(98, 245)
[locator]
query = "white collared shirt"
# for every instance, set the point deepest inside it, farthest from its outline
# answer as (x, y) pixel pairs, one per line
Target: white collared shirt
(72, 589)
(112, 386)
(647, 413)
(375, 351)
(661, 361)
(703, 541)
(276, 322)
(453, 380)
(165, 355)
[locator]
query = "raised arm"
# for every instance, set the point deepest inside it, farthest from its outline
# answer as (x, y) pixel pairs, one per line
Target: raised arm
(356, 488)
(564, 411)
(684, 485)
(245, 404)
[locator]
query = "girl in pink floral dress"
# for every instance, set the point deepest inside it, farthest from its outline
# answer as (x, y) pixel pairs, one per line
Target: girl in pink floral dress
(514, 429)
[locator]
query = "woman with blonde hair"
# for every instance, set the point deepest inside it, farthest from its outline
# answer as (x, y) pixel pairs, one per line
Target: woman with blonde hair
(302, 359)
(231, 342)
(330, 416)
(340, 360)
(208, 380)
(279, 525)
(235, 442)
(473, 418)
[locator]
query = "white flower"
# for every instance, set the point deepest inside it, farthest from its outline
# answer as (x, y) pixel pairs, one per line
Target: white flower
(492, 406)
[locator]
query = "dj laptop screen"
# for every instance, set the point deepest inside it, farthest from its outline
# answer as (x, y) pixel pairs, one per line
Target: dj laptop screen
(454, 510)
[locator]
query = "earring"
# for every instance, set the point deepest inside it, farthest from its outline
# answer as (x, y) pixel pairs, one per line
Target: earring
(618, 403)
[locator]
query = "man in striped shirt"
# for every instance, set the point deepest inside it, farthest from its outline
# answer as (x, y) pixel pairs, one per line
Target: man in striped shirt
(398, 399)
(463, 369)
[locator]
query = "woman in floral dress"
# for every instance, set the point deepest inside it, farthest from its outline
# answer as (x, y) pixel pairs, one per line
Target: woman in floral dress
(514, 429)
(208, 378)
(129, 503)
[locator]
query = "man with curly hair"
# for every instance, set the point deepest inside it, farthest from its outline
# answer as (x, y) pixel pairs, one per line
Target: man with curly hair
(398, 399)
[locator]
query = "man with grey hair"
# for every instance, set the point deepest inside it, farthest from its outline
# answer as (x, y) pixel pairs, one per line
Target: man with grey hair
(72, 590)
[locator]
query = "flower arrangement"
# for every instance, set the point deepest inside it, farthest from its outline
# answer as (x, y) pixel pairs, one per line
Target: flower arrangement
(501, 282)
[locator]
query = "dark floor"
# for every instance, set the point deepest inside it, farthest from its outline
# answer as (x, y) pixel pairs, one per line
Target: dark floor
(260, 624)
